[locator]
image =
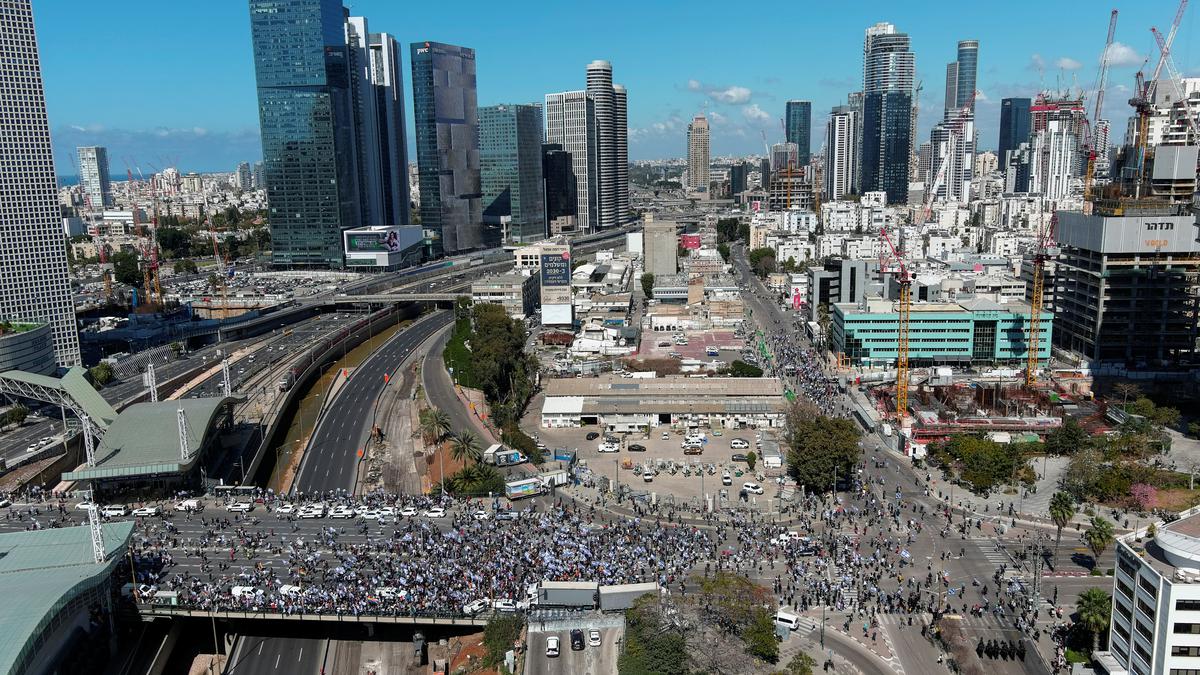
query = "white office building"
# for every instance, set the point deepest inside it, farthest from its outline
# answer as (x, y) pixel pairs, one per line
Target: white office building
(1052, 166)
(571, 122)
(93, 176)
(841, 152)
(34, 281)
(698, 154)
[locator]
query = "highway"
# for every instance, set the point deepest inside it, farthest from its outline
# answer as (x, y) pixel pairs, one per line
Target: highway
(276, 656)
(331, 460)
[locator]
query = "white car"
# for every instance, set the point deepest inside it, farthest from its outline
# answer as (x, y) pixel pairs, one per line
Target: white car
(148, 511)
(552, 646)
(386, 511)
(408, 511)
(370, 514)
(666, 436)
(739, 444)
(473, 608)
(593, 638)
(435, 512)
(340, 511)
(239, 591)
(288, 590)
(239, 507)
(481, 515)
(114, 510)
(188, 505)
(608, 447)
(285, 509)
(504, 605)
(753, 488)
(312, 511)
(32, 447)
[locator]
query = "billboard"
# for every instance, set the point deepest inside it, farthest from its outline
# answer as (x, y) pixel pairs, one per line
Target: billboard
(376, 241)
(556, 284)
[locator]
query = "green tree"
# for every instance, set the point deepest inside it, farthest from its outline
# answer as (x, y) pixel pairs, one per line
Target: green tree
(653, 645)
(174, 243)
(819, 447)
(751, 459)
(1098, 537)
(762, 261)
(979, 461)
(801, 664)
(1062, 510)
(740, 368)
(499, 636)
(186, 266)
(441, 424)
(1067, 439)
(17, 415)
(1082, 474)
(723, 249)
(465, 447)
(1095, 611)
(727, 229)
(759, 636)
(125, 268)
(102, 373)
(648, 285)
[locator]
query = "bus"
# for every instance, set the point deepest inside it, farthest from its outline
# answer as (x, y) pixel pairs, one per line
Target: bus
(233, 492)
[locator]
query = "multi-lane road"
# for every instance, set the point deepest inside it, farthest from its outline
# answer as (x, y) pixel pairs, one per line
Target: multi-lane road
(331, 460)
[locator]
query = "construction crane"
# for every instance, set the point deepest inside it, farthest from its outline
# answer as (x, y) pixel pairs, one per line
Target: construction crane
(956, 125)
(105, 272)
(1143, 97)
(904, 279)
(222, 268)
(1043, 250)
(1090, 136)
(1176, 78)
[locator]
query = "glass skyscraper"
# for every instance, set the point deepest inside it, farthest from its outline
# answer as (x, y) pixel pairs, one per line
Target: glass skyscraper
(510, 163)
(306, 117)
(93, 176)
(887, 124)
(798, 124)
(1014, 126)
(447, 125)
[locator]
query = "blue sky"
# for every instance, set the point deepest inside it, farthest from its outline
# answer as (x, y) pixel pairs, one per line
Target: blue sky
(173, 83)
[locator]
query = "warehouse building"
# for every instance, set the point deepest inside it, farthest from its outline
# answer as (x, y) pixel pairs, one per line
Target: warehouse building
(620, 404)
(973, 330)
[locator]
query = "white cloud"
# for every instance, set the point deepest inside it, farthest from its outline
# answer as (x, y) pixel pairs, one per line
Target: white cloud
(1121, 55)
(1067, 63)
(717, 118)
(755, 114)
(1036, 62)
(980, 97)
(733, 95)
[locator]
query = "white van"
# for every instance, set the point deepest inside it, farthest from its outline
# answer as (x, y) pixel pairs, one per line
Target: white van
(785, 618)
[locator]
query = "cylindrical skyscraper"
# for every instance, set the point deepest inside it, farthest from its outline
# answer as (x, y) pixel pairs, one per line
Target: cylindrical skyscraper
(600, 89)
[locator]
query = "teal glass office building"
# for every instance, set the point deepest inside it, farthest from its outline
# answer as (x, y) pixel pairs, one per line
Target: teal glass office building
(972, 331)
(306, 119)
(510, 163)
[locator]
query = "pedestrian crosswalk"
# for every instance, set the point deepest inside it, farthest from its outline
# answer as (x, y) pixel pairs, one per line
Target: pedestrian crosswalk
(993, 553)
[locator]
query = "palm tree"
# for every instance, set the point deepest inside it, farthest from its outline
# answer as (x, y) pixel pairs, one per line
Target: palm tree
(429, 429)
(441, 423)
(1098, 537)
(1062, 510)
(1095, 610)
(465, 446)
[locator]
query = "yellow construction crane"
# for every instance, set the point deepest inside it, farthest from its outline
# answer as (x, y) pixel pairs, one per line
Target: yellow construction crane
(1043, 243)
(904, 279)
(1093, 128)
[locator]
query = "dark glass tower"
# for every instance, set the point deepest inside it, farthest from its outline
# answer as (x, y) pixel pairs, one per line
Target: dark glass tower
(887, 124)
(306, 117)
(510, 162)
(558, 172)
(737, 178)
(1014, 126)
(447, 126)
(798, 123)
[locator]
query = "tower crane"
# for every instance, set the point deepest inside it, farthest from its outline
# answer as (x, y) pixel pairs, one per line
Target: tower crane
(905, 307)
(1043, 250)
(1175, 77)
(956, 125)
(1143, 96)
(1090, 138)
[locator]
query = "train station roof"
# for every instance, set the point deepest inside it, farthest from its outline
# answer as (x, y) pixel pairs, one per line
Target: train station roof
(144, 439)
(42, 571)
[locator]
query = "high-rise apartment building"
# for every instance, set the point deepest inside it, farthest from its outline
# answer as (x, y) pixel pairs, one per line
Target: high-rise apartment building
(35, 284)
(798, 127)
(841, 152)
(784, 156)
(888, 71)
(242, 179)
(952, 141)
(1054, 159)
(306, 114)
(621, 131)
(447, 125)
(698, 154)
(558, 174)
(571, 123)
(612, 146)
(510, 165)
(961, 75)
(93, 176)
(1014, 127)
(738, 174)
(256, 176)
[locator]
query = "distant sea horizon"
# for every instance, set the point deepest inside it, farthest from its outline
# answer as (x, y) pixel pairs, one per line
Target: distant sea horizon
(65, 179)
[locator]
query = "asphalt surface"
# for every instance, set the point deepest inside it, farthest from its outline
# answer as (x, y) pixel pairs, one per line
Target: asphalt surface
(276, 656)
(331, 460)
(590, 660)
(15, 444)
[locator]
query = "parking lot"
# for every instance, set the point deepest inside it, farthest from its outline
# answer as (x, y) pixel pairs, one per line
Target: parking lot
(662, 454)
(661, 344)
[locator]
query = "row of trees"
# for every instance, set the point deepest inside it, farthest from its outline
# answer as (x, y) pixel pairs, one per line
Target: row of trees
(731, 230)
(14, 415)
(983, 464)
(821, 450)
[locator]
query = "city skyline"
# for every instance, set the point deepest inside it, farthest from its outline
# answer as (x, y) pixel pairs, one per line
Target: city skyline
(168, 127)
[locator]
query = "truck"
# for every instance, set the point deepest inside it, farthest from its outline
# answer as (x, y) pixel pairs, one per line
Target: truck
(557, 478)
(578, 594)
(621, 597)
(498, 455)
(526, 487)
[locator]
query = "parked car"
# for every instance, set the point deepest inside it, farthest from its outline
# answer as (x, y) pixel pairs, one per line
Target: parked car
(738, 457)
(552, 646)
(114, 510)
(753, 488)
(188, 505)
(739, 444)
(594, 638)
(481, 514)
(476, 606)
(341, 511)
(239, 507)
(726, 479)
(285, 509)
(666, 436)
(608, 447)
(408, 511)
(576, 639)
(507, 514)
(637, 447)
(591, 436)
(435, 512)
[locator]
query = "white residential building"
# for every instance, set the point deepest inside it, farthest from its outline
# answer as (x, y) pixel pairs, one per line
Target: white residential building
(571, 122)
(698, 154)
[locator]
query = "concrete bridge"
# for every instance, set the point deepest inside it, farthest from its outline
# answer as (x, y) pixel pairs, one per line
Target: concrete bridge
(161, 610)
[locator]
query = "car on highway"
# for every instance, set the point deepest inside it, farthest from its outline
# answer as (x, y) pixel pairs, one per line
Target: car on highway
(592, 436)
(408, 511)
(753, 488)
(435, 512)
(576, 639)
(46, 440)
(311, 511)
(148, 511)
(188, 505)
(593, 638)
(32, 447)
(504, 605)
(737, 457)
(239, 507)
(481, 514)
(114, 510)
(5, 503)
(637, 447)
(608, 447)
(341, 511)
(476, 606)
(507, 514)
(285, 509)
(739, 444)
(552, 646)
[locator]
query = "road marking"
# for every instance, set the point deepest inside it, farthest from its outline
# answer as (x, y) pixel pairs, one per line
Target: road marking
(301, 654)
(277, 657)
